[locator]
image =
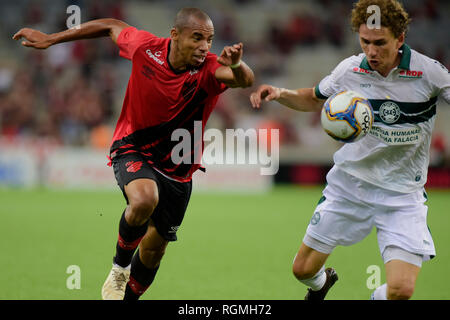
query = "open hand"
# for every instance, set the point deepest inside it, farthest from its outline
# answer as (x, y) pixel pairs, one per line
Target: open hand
(33, 38)
(266, 92)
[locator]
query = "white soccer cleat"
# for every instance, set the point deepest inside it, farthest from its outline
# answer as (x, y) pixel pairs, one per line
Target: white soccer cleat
(115, 284)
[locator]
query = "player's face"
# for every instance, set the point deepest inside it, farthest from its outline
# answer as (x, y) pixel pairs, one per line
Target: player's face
(194, 42)
(381, 48)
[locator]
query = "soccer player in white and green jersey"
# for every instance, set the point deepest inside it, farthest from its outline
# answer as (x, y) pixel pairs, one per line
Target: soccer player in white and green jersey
(378, 180)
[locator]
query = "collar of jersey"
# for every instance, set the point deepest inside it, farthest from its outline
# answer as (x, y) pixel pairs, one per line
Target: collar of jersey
(168, 62)
(404, 62)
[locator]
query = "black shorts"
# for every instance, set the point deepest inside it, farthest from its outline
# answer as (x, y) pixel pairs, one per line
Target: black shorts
(173, 195)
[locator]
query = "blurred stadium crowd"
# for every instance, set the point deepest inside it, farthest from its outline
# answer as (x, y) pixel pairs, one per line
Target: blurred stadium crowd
(72, 93)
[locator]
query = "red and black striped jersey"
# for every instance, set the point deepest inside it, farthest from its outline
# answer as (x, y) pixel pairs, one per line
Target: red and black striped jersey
(159, 100)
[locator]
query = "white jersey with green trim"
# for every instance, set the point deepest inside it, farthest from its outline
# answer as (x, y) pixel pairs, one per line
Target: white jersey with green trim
(395, 153)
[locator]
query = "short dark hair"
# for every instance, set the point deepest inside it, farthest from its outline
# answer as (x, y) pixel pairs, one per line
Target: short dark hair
(393, 15)
(183, 17)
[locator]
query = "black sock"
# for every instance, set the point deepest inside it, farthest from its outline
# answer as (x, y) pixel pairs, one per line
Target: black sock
(141, 278)
(128, 240)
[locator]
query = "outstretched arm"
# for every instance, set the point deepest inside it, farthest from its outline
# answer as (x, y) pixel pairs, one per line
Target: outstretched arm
(301, 99)
(91, 29)
(234, 72)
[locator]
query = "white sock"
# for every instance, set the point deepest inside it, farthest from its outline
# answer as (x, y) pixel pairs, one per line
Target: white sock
(380, 293)
(125, 268)
(316, 283)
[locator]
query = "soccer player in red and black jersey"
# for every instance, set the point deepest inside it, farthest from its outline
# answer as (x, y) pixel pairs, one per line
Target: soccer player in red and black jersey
(174, 83)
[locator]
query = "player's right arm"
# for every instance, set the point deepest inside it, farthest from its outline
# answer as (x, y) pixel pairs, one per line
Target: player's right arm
(88, 30)
(303, 99)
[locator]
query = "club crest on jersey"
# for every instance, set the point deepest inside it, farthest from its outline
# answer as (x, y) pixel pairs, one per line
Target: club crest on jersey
(410, 74)
(133, 166)
(389, 112)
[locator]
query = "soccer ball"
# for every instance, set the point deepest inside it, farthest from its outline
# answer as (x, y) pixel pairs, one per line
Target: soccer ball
(347, 116)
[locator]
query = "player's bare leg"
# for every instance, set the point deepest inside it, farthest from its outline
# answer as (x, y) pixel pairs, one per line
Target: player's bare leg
(145, 263)
(401, 279)
(143, 198)
(308, 268)
(152, 247)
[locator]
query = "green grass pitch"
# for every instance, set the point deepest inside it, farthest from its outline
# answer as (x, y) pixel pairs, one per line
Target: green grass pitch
(230, 246)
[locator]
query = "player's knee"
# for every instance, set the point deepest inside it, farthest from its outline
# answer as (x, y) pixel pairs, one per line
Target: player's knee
(400, 290)
(142, 205)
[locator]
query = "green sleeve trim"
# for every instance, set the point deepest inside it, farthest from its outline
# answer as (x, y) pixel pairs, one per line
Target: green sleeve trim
(318, 94)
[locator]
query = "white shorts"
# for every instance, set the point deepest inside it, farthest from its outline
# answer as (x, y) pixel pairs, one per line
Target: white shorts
(351, 207)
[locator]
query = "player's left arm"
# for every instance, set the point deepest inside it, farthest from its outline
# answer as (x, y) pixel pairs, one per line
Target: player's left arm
(234, 72)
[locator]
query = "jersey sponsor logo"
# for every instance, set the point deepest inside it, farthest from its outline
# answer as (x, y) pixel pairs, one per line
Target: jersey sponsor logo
(361, 70)
(397, 136)
(154, 56)
(133, 166)
(410, 74)
(389, 112)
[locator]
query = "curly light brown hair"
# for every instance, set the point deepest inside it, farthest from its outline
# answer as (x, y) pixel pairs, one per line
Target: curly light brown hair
(393, 15)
